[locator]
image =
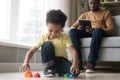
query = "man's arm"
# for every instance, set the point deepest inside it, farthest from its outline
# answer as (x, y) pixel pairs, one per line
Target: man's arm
(109, 24)
(76, 24)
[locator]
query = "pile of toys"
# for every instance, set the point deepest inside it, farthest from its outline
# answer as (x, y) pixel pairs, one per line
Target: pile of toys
(68, 75)
(29, 74)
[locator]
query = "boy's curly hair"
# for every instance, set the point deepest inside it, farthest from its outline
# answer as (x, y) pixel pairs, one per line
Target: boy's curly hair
(56, 17)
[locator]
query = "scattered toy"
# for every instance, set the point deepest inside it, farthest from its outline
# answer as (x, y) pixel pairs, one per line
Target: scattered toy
(36, 75)
(68, 75)
(28, 74)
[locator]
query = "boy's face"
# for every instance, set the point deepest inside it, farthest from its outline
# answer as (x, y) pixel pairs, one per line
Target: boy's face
(53, 30)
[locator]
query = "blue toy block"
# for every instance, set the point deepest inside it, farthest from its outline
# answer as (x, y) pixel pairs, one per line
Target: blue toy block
(72, 75)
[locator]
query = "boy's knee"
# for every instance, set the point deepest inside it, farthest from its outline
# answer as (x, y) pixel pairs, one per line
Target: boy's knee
(47, 44)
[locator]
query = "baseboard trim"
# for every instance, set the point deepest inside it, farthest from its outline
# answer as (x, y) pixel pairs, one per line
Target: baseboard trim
(14, 67)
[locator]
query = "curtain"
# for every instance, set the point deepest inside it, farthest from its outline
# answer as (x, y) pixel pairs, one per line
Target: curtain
(4, 18)
(77, 7)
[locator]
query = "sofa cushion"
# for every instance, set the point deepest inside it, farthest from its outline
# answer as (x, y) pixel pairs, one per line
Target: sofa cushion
(109, 42)
(116, 20)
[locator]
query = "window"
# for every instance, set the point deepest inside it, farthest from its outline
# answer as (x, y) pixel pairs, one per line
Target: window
(27, 21)
(23, 21)
(32, 18)
(5, 7)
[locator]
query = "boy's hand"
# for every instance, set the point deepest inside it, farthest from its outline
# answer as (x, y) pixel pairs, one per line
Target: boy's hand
(24, 67)
(75, 69)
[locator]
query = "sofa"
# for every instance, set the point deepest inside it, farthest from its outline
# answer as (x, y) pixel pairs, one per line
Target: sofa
(109, 49)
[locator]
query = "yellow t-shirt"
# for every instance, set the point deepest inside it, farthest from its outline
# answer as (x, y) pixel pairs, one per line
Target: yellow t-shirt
(60, 44)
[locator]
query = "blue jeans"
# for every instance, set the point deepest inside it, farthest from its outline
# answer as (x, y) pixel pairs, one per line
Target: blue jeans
(97, 35)
(49, 59)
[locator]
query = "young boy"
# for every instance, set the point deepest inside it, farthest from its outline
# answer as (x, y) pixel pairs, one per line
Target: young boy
(53, 47)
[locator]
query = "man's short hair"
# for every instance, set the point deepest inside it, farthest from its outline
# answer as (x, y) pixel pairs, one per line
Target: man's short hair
(56, 17)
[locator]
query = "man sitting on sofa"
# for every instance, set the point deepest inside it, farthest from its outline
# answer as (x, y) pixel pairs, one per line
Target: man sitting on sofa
(101, 26)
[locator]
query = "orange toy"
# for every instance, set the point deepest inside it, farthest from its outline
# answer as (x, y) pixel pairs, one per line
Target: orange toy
(28, 74)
